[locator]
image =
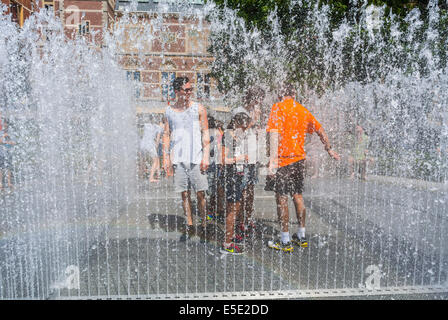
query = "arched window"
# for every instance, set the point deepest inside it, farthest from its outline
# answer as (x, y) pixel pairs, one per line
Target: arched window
(136, 78)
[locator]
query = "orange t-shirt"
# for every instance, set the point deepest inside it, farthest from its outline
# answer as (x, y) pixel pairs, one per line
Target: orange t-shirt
(292, 121)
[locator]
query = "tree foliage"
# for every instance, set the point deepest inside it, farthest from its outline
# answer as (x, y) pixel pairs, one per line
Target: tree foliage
(305, 47)
(255, 12)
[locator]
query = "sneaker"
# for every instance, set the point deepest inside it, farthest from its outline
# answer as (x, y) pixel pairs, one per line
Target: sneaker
(301, 242)
(187, 234)
(278, 245)
(232, 249)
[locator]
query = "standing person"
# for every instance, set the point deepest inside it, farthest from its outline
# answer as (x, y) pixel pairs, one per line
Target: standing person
(215, 171)
(358, 158)
(252, 108)
(221, 197)
(288, 124)
(149, 146)
(314, 157)
(6, 155)
(235, 160)
(186, 150)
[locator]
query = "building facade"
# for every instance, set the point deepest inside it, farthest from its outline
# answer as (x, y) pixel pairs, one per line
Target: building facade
(20, 10)
(80, 16)
(177, 46)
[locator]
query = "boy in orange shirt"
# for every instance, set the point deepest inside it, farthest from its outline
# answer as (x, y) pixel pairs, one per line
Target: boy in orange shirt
(288, 124)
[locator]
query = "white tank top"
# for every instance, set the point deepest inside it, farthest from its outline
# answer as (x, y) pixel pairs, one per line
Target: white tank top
(186, 137)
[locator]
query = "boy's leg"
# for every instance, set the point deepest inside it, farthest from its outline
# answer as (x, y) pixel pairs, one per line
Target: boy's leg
(232, 209)
(300, 209)
(212, 186)
(221, 197)
(299, 238)
(234, 195)
(247, 205)
(186, 205)
(202, 207)
(283, 215)
(282, 211)
(154, 167)
(199, 182)
(181, 185)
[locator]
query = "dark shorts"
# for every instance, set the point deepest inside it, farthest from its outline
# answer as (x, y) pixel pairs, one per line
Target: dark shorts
(215, 177)
(287, 179)
(234, 184)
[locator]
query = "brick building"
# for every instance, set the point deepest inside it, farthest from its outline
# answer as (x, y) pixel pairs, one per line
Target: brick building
(178, 46)
(82, 17)
(78, 16)
(20, 10)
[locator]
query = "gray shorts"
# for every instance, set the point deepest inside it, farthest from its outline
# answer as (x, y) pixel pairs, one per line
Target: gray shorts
(187, 176)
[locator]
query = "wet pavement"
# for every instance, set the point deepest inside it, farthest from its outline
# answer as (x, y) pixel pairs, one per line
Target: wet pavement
(363, 236)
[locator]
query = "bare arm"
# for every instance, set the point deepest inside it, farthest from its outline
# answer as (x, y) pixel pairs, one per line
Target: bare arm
(160, 134)
(205, 137)
(324, 139)
(166, 145)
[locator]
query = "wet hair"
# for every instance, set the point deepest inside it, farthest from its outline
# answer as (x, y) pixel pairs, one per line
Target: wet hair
(211, 122)
(254, 94)
(239, 120)
(179, 82)
(287, 89)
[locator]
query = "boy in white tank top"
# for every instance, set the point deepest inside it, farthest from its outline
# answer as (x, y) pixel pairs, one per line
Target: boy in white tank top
(186, 150)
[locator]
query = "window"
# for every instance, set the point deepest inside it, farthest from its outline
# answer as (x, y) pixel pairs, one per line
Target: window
(16, 12)
(174, 1)
(167, 86)
(203, 86)
(84, 27)
(135, 77)
(48, 4)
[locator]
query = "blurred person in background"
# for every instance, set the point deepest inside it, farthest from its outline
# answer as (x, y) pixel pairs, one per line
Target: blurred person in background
(150, 148)
(215, 171)
(6, 145)
(358, 156)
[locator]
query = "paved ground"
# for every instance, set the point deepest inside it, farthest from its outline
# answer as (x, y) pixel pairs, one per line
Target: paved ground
(358, 232)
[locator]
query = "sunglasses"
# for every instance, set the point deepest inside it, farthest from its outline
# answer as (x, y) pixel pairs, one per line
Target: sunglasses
(188, 90)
